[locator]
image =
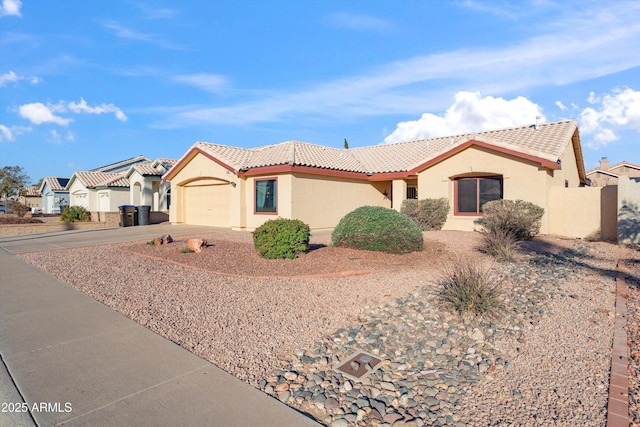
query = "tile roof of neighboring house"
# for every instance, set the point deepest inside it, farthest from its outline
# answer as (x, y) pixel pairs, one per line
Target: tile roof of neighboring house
(121, 164)
(166, 163)
(55, 183)
(598, 170)
(155, 168)
(92, 179)
(30, 191)
(624, 163)
(608, 171)
(546, 142)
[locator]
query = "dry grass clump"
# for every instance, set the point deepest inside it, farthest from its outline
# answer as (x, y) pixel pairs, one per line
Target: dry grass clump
(469, 289)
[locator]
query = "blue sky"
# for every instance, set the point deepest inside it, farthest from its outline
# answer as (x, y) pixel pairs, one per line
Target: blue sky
(84, 83)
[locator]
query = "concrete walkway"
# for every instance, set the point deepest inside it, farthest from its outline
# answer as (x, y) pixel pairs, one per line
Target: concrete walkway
(76, 362)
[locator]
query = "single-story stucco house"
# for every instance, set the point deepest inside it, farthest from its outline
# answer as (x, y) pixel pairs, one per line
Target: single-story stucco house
(147, 187)
(54, 195)
(608, 175)
(30, 197)
(224, 186)
(98, 191)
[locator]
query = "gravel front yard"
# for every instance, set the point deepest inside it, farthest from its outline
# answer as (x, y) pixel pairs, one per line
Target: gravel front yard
(544, 362)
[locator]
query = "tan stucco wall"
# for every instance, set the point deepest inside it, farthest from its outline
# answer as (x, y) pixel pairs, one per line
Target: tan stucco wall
(89, 201)
(585, 212)
(117, 197)
(628, 210)
(321, 202)
(522, 179)
(142, 191)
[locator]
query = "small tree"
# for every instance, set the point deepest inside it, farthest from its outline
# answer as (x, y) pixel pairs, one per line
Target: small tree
(18, 208)
(346, 144)
(12, 178)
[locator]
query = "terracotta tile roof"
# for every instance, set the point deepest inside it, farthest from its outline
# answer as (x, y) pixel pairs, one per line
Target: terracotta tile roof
(30, 191)
(598, 170)
(616, 166)
(55, 183)
(548, 141)
(624, 163)
(92, 179)
(166, 163)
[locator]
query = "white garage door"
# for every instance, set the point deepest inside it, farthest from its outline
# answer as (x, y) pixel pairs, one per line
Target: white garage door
(208, 205)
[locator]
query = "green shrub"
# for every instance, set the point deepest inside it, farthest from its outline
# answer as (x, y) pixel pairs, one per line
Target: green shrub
(500, 244)
(375, 228)
(184, 250)
(281, 238)
(429, 214)
(469, 289)
(516, 217)
(19, 208)
(75, 214)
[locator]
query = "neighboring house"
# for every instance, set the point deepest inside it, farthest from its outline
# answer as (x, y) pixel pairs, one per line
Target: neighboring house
(53, 194)
(225, 186)
(147, 187)
(122, 166)
(30, 197)
(98, 191)
(608, 175)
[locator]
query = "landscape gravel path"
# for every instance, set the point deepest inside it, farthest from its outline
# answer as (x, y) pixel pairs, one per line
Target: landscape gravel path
(545, 361)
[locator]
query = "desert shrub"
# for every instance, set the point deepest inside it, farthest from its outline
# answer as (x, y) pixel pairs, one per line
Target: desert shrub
(500, 244)
(469, 289)
(281, 238)
(429, 214)
(75, 214)
(520, 218)
(186, 251)
(4, 219)
(19, 208)
(376, 228)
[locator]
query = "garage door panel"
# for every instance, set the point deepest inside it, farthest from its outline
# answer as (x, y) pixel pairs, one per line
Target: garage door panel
(208, 205)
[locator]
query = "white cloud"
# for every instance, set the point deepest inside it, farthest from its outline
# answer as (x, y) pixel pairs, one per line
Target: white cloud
(209, 82)
(9, 133)
(561, 106)
(55, 136)
(6, 134)
(12, 77)
(470, 112)
(129, 34)
(11, 8)
(39, 113)
(83, 107)
(612, 112)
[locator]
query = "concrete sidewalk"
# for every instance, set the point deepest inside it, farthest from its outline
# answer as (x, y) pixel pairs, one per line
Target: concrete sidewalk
(76, 362)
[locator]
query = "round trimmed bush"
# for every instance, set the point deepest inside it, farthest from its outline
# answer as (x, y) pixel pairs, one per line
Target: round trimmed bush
(281, 238)
(375, 228)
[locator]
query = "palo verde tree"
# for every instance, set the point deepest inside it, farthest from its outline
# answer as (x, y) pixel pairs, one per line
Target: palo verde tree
(12, 178)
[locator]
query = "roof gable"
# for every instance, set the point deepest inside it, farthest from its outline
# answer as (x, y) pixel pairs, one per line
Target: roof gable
(54, 183)
(93, 179)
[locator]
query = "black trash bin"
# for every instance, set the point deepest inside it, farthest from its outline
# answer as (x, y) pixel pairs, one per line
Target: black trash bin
(143, 214)
(127, 216)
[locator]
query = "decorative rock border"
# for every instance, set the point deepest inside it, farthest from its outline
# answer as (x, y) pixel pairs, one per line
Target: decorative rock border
(618, 407)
